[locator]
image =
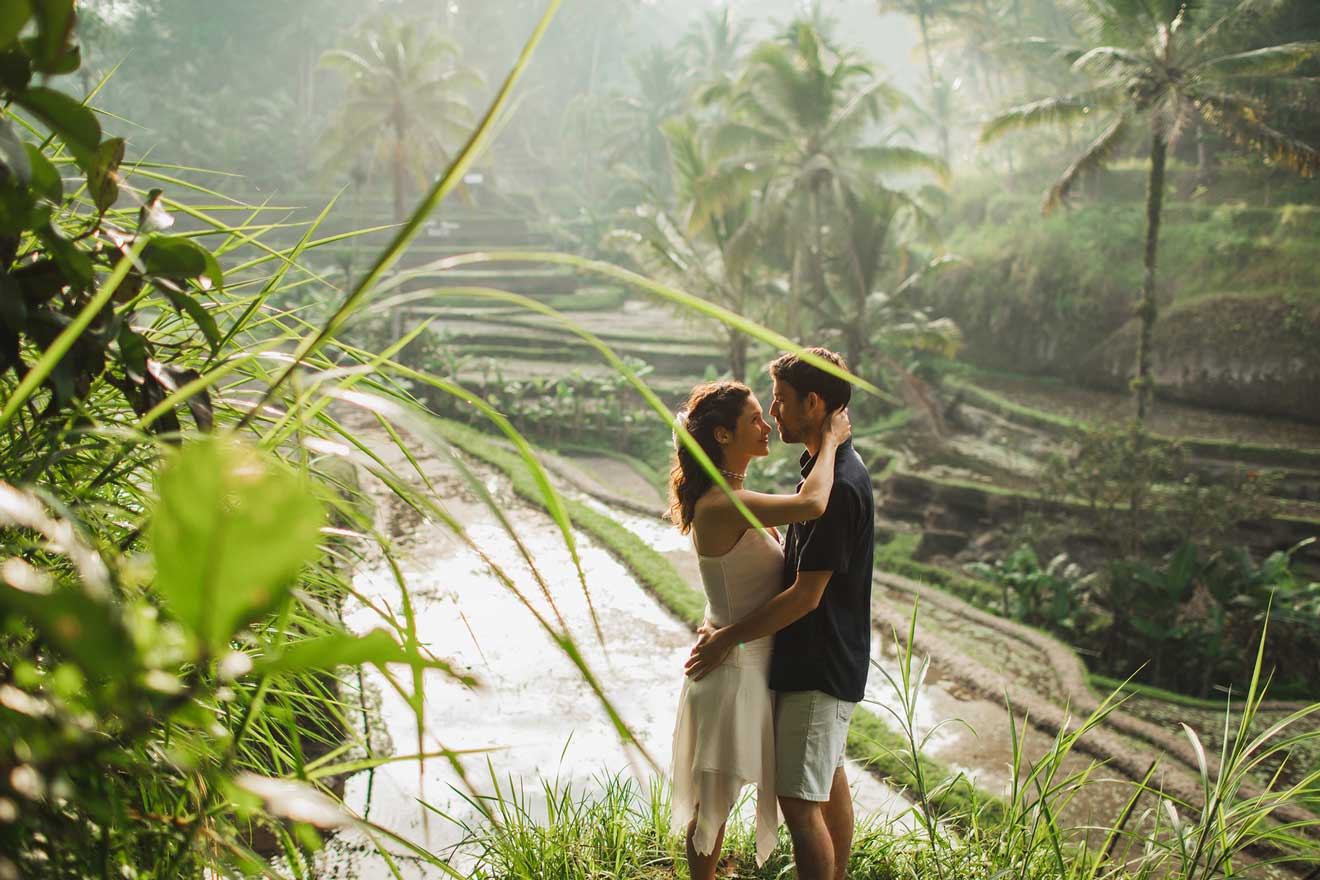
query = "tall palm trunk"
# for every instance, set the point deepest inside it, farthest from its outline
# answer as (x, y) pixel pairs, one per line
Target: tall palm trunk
(1148, 309)
(737, 355)
(796, 273)
(940, 124)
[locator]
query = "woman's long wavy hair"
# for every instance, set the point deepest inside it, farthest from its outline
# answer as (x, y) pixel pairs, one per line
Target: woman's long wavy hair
(710, 406)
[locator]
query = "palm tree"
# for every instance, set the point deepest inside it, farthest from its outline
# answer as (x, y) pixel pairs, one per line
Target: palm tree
(710, 246)
(405, 108)
(927, 12)
(879, 257)
(1159, 67)
(633, 121)
(712, 44)
(798, 116)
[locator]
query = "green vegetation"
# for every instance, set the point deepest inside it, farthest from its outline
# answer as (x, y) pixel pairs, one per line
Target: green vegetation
(624, 833)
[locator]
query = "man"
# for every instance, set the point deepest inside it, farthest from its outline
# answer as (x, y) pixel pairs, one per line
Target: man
(822, 627)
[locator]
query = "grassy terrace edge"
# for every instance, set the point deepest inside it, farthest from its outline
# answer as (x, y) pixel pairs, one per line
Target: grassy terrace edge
(1202, 446)
(870, 741)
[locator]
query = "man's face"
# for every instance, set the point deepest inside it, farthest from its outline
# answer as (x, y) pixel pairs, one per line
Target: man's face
(789, 413)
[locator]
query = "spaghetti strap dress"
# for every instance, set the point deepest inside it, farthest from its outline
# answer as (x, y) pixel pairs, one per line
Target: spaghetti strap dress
(724, 732)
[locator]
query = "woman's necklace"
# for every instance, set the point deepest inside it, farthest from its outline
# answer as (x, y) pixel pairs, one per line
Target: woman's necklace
(731, 475)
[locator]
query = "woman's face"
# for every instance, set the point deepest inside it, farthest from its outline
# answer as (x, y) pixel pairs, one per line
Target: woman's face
(751, 436)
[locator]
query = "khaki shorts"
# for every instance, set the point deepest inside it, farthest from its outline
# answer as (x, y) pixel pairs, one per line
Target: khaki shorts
(811, 731)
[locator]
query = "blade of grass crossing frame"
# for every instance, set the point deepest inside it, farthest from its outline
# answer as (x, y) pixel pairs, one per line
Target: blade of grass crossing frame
(670, 294)
(442, 187)
(611, 358)
(480, 490)
(563, 639)
(554, 504)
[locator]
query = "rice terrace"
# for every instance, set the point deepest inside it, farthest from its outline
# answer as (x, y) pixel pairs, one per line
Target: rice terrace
(651, 439)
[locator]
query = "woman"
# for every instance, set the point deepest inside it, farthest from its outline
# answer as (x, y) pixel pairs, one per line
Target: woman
(724, 734)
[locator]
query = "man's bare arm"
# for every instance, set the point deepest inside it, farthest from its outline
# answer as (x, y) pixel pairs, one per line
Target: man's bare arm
(790, 605)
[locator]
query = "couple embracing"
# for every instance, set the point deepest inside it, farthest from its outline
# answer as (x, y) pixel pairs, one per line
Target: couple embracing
(781, 660)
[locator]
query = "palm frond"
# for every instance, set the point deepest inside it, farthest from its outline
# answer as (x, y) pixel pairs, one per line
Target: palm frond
(1240, 121)
(889, 159)
(1095, 158)
(1049, 111)
(1105, 60)
(1037, 49)
(1245, 10)
(1268, 61)
(739, 138)
(863, 107)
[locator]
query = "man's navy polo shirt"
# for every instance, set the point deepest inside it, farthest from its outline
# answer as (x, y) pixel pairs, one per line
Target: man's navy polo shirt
(829, 649)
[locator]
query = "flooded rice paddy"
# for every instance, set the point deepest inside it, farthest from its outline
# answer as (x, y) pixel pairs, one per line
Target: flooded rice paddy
(532, 713)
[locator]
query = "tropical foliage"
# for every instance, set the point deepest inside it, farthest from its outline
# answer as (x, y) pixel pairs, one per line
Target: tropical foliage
(406, 110)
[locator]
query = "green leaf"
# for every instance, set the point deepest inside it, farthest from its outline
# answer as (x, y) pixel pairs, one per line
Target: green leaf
(52, 43)
(15, 208)
(76, 265)
(75, 124)
(13, 153)
(88, 631)
(13, 15)
(230, 532)
(15, 69)
(179, 257)
(199, 314)
(133, 354)
(46, 181)
(326, 652)
(102, 180)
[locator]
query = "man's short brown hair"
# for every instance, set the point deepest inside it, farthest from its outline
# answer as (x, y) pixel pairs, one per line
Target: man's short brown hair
(806, 378)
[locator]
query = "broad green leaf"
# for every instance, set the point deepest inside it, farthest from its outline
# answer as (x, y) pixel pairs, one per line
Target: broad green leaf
(199, 314)
(180, 257)
(230, 532)
(76, 265)
(15, 207)
(15, 69)
(13, 15)
(75, 124)
(133, 354)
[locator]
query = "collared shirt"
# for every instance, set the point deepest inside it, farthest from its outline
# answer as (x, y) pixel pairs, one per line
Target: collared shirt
(829, 648)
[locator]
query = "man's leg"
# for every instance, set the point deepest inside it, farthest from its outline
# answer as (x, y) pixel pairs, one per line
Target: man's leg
(813, 851)
(837, 813)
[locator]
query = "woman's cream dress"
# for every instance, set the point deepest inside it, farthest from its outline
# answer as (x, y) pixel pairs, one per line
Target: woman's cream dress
(724, 734)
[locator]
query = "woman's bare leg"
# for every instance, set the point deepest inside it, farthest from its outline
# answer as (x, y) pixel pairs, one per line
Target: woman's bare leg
(703, 867)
